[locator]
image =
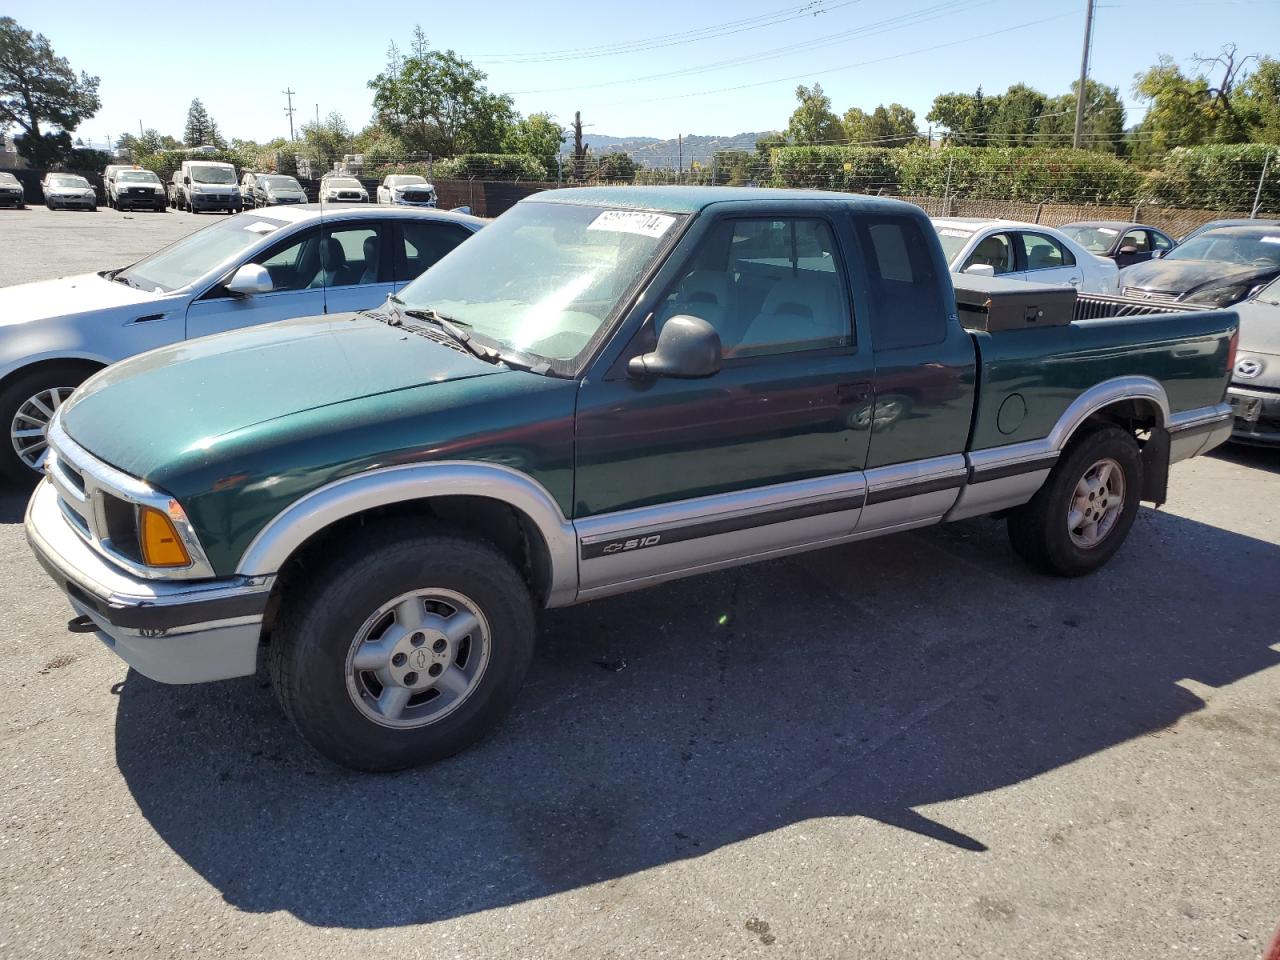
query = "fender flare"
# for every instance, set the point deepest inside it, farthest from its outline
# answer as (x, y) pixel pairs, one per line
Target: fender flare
(380, 487)
(1099, 396)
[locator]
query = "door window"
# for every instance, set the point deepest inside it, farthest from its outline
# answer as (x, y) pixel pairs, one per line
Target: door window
(1045, 253)
(1137, 239)
(768, 287)
(293, 264)
(349, 255)
(424, 243)
(995, 251)
(1160, 242)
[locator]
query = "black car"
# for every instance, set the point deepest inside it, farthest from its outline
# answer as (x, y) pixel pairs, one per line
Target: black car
(1215, 269)
(1125, 243)
(1238, 222)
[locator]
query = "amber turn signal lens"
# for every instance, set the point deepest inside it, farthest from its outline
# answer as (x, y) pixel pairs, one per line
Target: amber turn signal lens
(161, 546)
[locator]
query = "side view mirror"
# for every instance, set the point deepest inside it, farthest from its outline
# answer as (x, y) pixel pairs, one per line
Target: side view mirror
(250, 279)
(1128, 250)
(688, 348)
(1157, 254)
(980, 270)
(186, 181)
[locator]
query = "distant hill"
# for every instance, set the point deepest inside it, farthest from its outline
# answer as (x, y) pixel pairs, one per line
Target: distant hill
(652, 152)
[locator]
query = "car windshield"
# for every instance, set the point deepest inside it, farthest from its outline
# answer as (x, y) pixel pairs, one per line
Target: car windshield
(281, 183)
(202, 174)
(68, 182)
(1270, 293)
(347, 183)
(544, 278)
(190, 258)
(8, 178)
(407, 181)
(1230, 247)
(137, 176)
(1093, 239)
(952, 240)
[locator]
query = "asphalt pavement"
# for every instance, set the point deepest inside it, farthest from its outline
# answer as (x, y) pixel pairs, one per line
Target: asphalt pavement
(910, 747)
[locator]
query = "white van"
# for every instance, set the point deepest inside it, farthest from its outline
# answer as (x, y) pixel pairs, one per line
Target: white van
(200, 185)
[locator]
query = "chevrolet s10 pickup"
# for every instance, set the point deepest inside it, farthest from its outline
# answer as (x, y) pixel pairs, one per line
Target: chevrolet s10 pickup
(605, 389)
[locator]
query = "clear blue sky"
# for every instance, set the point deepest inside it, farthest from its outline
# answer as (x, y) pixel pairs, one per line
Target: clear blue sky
(863, 52)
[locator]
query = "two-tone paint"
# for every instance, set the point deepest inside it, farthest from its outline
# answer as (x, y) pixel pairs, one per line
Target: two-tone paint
(270, 436)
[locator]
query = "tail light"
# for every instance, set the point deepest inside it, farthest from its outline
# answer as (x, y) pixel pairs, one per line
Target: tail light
(1232, 346)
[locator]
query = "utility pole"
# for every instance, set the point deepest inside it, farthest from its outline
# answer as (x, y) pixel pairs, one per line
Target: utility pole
(1257, 197)
(1084, 71)
(288, 92)
(679, 157)
(579, 148)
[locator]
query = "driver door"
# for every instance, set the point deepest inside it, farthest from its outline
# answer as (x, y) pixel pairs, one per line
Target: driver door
(293, 264)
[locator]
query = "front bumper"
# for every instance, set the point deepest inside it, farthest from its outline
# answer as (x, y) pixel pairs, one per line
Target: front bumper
(171, 631)
(86, 203)
(14, 199)
(214, 201)
(1265, 428)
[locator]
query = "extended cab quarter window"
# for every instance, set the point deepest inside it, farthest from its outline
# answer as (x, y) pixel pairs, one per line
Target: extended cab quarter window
(905, 290)
(768, 286)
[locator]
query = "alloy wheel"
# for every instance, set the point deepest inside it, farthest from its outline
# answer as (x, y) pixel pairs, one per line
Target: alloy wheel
(29, 429)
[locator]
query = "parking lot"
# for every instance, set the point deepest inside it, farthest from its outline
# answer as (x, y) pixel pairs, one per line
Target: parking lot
(910, 747)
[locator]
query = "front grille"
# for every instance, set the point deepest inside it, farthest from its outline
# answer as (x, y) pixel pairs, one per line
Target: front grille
(1157, 296)
(348, 195)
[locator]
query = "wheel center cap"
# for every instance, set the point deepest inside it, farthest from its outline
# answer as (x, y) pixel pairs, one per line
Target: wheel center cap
(419, 659)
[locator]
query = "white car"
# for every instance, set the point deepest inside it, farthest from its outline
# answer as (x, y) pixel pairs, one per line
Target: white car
(132, 188)
(407, 189)
(69, 191)
(340, 188)
(1022, 251)
(250, 268)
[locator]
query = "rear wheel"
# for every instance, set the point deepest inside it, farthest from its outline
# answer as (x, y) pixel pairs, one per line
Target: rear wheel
(1080, 517)
(408, 646)
(27, 404)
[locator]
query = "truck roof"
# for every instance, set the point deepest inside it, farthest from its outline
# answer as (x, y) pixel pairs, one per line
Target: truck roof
(691, 199)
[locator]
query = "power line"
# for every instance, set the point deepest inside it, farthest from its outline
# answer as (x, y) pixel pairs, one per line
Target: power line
(848, 66)
(871, 29)
(729, 28)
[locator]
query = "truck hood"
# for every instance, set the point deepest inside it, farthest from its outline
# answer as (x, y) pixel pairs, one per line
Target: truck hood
(173, 406)
(28, 302)
(1182, 277)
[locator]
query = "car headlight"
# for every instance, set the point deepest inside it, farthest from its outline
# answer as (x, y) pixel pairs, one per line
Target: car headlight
(1224, 294)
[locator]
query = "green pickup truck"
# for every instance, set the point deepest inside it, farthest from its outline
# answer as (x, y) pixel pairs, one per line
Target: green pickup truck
(605, 389)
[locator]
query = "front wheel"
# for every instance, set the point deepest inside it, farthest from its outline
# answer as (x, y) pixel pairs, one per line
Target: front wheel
(408, 646)
(1084, 511)
(27, 404)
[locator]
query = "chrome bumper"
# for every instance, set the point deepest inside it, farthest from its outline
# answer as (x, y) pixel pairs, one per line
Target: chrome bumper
(169, 630)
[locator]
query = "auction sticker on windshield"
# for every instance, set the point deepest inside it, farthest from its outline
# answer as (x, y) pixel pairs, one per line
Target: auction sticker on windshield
(949, 232)
(632, 221)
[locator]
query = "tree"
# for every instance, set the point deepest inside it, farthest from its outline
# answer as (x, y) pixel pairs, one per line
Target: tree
(616, 166)
(813, 121)
(437, 102)
(39, 89)
(892, 126)
(1016, 122)
(327, 140)
(1188, 111)
(1259, 102)
(967, 117)
(1102, 127)
(537, 135)
(200, 129)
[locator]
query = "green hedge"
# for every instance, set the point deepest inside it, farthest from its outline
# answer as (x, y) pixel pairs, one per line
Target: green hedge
(1215, 177)
(1220, 177)
(164, 163)
(491, 166)
(1004, 173)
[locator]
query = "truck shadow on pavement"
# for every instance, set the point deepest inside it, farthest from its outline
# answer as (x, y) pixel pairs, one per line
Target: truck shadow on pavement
(866, 681)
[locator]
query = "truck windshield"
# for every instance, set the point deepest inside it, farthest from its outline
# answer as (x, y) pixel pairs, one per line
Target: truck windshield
(544, 278)
(186, 261)
(1229, 246)
(203, 174)
(345, 183)
(137, 176)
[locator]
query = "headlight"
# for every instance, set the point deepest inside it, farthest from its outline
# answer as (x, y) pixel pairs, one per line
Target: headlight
(1224, 295)
(197, 189)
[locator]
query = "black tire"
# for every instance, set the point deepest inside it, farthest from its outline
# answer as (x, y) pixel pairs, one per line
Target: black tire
(1039, 530)
(317, 625)
(20, 389)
